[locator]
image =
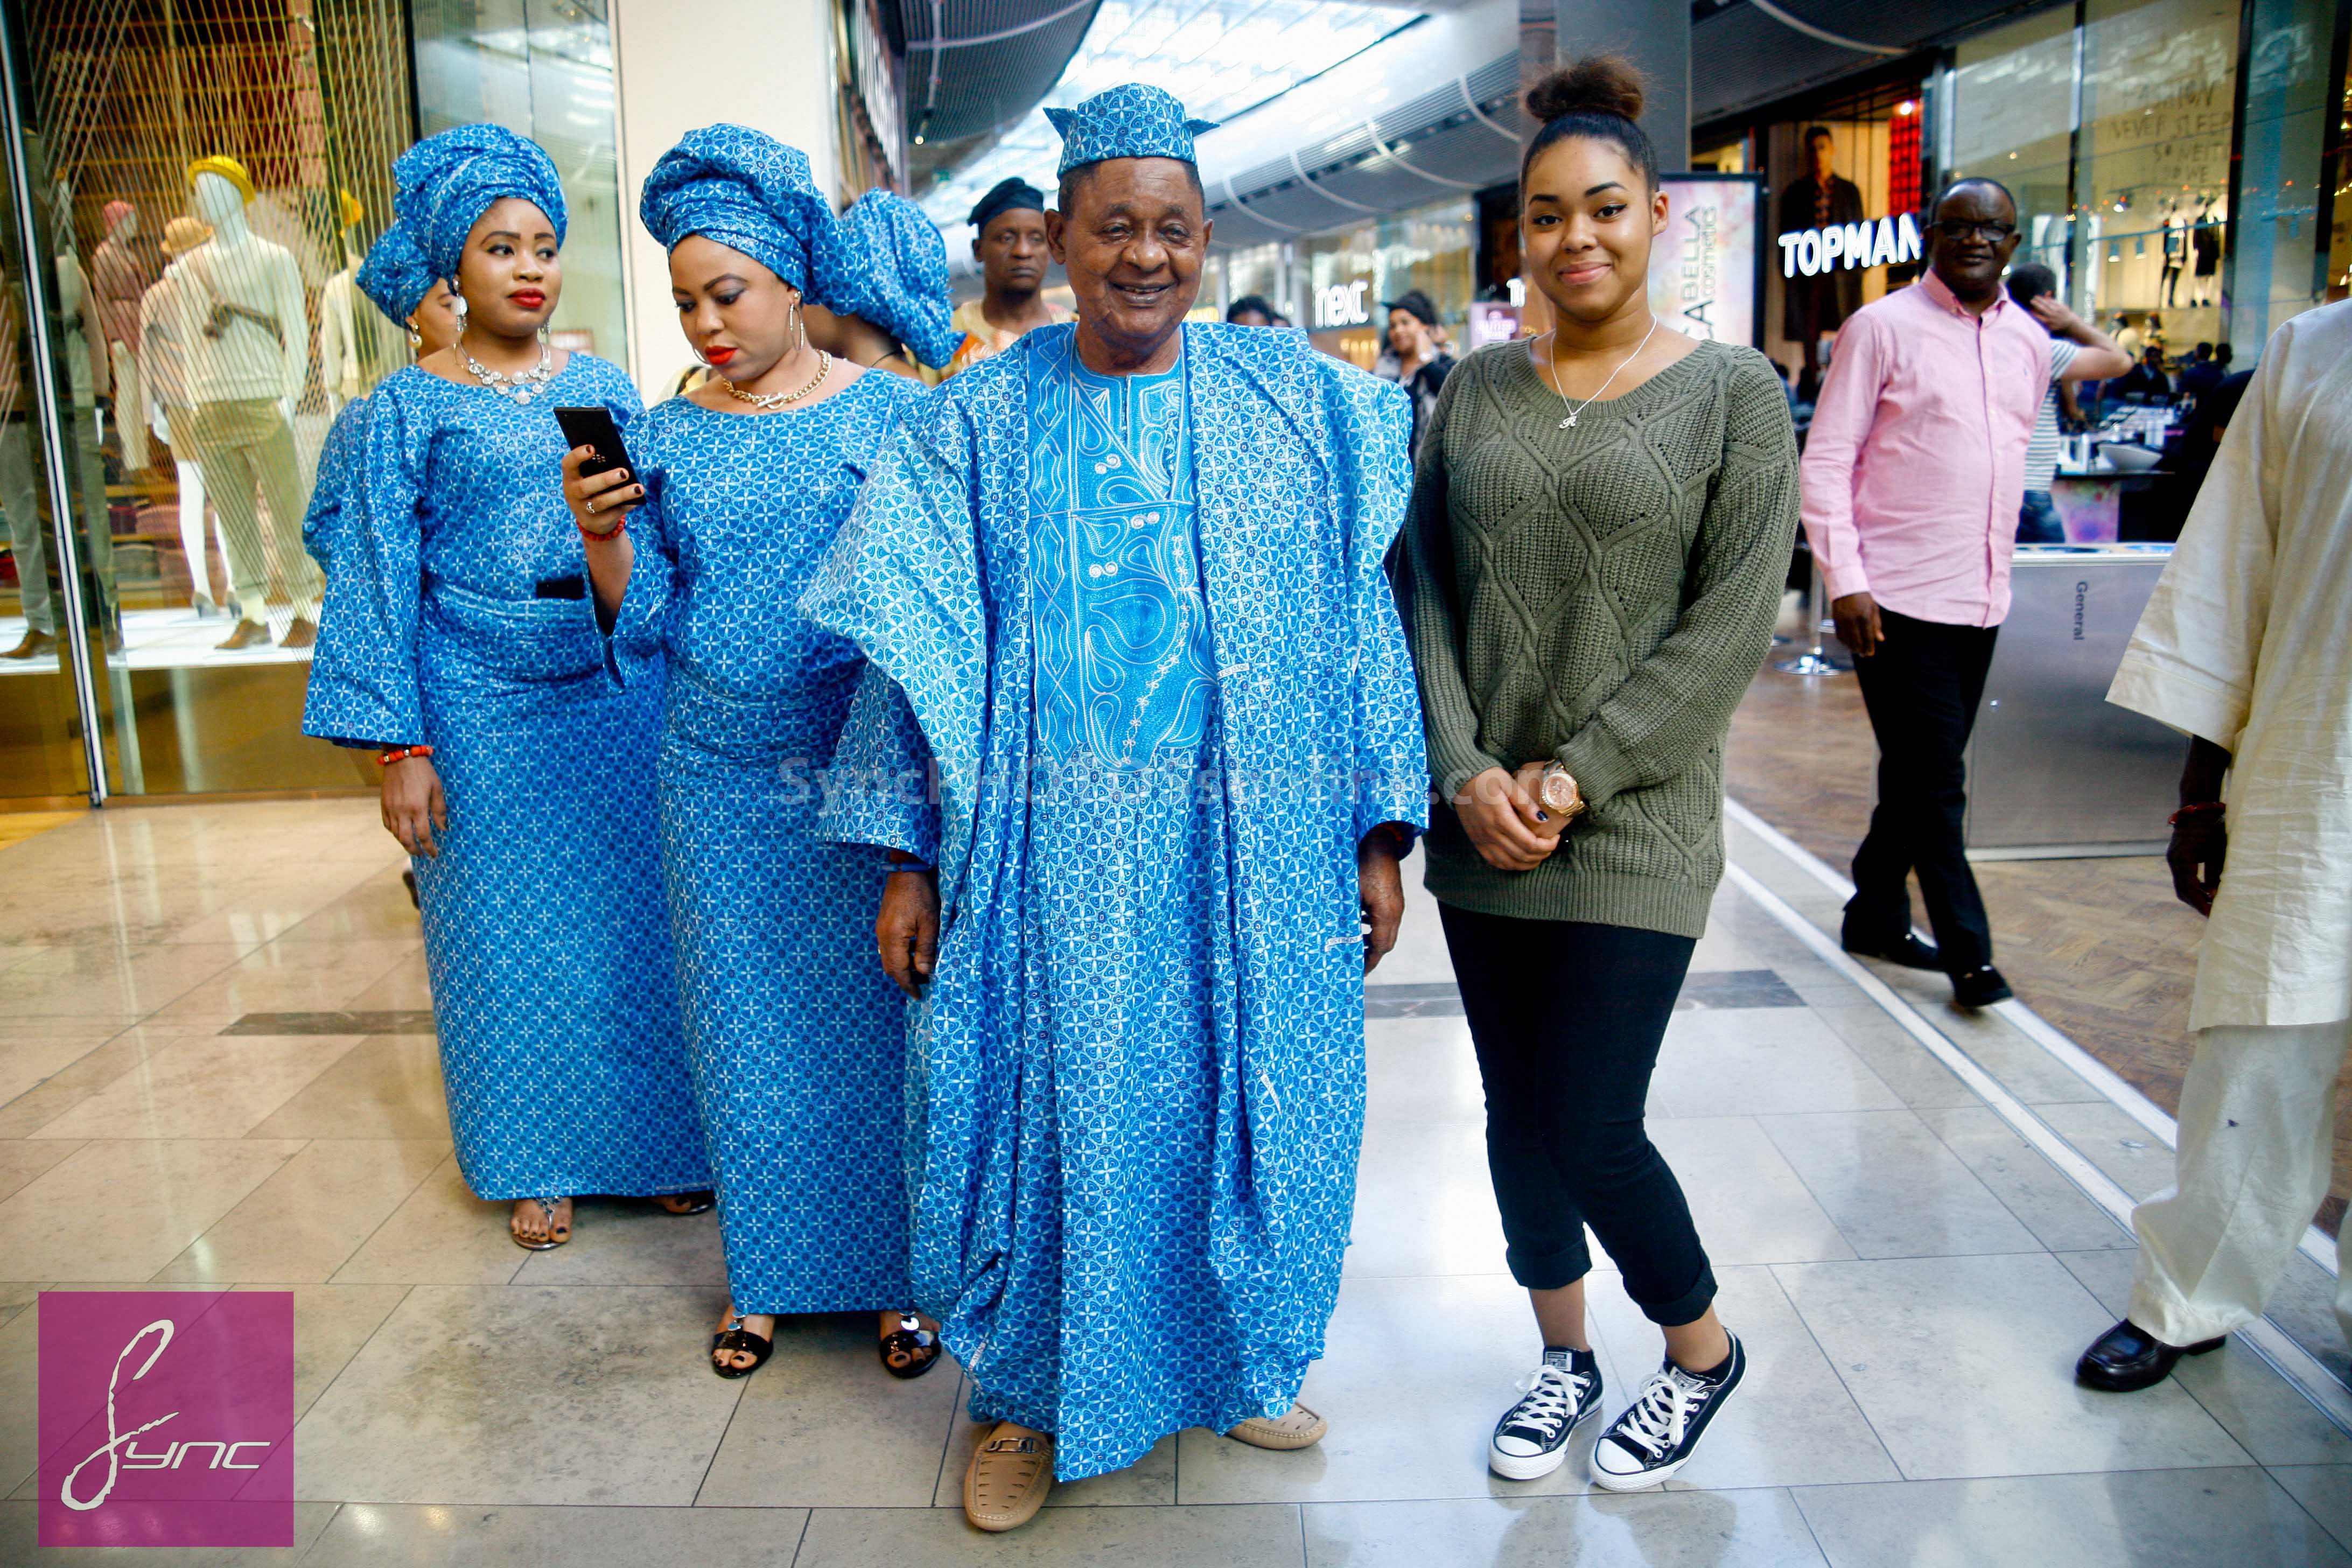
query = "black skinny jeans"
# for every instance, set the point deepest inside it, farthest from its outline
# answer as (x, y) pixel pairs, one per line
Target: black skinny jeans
(1567, 1016)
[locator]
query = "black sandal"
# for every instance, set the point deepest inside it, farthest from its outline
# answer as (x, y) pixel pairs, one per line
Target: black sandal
(738, 1338)
(696, 1203)
(910, 1350)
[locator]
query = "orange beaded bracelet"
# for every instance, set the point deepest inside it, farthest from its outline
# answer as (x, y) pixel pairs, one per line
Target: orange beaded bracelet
(401, 754)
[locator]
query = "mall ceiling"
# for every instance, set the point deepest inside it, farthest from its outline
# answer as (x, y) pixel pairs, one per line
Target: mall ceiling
(974, 67)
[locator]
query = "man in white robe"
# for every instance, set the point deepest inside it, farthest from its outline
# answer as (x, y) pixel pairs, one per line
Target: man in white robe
(2245, 647)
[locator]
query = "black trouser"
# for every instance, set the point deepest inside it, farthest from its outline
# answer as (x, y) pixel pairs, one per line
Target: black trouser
(1922, 687)
(1567, 1017)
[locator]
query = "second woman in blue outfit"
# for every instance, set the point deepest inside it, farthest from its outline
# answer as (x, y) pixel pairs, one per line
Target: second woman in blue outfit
(457, 638)
(700, 553)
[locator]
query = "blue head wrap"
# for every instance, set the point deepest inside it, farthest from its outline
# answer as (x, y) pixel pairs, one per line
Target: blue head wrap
(1015, 195)
(395, 276)
(1130, 121)
(904, 274)
(446, 180)
(749, 192)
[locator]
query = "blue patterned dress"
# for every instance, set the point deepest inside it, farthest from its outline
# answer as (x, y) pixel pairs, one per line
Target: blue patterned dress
(340, 458)
(1144, 630)
(554, 989)
(796, 1038)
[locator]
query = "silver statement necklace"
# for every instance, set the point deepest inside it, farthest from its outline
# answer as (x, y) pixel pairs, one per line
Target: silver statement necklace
(1553, 375)
(524, 385)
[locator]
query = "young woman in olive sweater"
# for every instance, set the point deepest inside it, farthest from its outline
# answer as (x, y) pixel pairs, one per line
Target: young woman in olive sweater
(1602, 524)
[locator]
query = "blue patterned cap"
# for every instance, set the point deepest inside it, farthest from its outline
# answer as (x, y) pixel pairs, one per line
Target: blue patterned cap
(904, 273)
(396, 275)
(448, 181)
(749, 192)
(1130, 121)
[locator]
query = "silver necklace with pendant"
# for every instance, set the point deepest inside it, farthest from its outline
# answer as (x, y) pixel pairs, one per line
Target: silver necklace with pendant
(1577, 408)
(522, 383)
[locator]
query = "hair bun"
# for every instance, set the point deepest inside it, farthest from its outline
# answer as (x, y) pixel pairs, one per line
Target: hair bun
(1598, 84)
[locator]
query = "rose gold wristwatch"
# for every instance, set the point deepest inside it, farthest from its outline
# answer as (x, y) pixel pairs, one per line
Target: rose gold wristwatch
(1559, 794)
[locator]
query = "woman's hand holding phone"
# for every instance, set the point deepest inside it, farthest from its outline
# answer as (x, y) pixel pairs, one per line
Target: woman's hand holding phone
(599, 502)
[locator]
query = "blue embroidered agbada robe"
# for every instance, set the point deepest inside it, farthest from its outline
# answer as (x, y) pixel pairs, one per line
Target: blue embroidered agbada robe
(545, 939)
(796, 1037)
(1137, 1077)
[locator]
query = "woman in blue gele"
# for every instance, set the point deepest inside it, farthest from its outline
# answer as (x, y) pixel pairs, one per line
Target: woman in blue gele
(698, 553)
(458, 641)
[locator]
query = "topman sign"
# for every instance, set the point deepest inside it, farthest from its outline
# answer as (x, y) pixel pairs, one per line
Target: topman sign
(1813, 251)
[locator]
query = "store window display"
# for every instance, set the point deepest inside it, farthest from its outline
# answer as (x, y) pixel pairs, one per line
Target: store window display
(170, 401)
(1813, 308)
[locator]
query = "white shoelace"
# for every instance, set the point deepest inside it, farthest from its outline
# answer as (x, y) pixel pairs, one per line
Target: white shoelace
(1553, 1395)
(1657, 1419)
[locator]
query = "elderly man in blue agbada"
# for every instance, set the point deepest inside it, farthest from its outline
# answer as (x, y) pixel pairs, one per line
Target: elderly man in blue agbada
(1120, 586)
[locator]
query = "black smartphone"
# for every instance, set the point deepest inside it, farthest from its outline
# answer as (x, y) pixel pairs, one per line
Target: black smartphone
(594, 427)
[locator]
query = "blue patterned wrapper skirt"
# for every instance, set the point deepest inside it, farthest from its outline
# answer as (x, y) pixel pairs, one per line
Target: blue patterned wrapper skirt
(549, 956)
(796, 1037)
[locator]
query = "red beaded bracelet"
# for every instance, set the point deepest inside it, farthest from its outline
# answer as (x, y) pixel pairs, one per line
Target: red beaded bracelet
(401, 754)
(620, 526)
(2194, 808)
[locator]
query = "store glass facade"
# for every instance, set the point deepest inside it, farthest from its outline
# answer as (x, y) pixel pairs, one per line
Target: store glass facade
(195, 182)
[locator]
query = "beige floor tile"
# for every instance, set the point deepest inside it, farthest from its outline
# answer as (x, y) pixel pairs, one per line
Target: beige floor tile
(1423, 1069)
(19, 1404)
(2325, 1493)
(1965, 1368)
(388, 1086)
(489, 1394)
(27, 1060)
(15, 1295)
(20, 1526)
(821, 1424)
(331, 1324)
(302, 1223)
(1263, 1537)
(2032, 1188)
(2148, 1519)
(440, 1234)
(23, 1159)
(81, 1069)
(205, 1086)
(2132, 1156)
(1416, 1375)
(1759, 1060)
(1749, 1205)
(121, 1209)
(405, 987)
(1150, 1481)
(2270, 1419)
(377, 909)
(294, 977)
(1893, 1187)
(1790, 1422)
(367, 1535)
(1657, 1530)
(132, 979)
(1901, 1062)
(1425, 1201)
(628, 1241)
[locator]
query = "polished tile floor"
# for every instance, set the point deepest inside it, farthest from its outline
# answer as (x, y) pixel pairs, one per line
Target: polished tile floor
(213, 1073)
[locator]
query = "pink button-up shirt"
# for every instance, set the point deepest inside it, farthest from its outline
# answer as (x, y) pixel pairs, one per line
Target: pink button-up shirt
(1914, 466)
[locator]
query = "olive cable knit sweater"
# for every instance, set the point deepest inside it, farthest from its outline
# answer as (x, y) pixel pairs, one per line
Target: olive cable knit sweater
(1603, 595)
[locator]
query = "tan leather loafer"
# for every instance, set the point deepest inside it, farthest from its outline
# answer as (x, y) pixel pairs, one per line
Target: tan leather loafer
(1012, 1471)
(1302, 1428)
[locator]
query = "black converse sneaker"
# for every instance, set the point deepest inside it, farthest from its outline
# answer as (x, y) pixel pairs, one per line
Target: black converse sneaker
(1531, 1439)
(1657, 1434)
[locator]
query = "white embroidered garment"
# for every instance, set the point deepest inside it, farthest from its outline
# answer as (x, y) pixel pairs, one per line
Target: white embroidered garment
(2245, 644)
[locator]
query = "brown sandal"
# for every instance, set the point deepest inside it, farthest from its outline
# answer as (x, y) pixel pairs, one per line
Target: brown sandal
(910, 1350)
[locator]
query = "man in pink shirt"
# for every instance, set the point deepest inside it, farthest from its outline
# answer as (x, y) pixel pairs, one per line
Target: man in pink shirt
(1913, 474)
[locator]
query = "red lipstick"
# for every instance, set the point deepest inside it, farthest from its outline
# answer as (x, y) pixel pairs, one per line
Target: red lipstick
(529, 298)
(717, 355)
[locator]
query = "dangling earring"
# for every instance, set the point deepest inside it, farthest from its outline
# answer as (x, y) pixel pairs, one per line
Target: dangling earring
(543, 339)
(800, 329)
(459, 307)
(416, 341)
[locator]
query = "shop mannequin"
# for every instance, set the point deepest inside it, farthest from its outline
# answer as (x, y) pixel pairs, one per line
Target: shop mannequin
(121, 279)
(2176, 254)
(247, 344)
(89, 381)
(2205, 244)
(342, 369)
(163, 317)
(17, 498)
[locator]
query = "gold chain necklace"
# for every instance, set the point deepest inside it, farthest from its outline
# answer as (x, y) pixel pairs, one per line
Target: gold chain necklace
(774, 400)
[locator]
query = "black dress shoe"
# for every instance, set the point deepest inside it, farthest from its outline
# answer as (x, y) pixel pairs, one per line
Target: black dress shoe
(1980, 987)
(2128, 1358)
(1905, 950)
